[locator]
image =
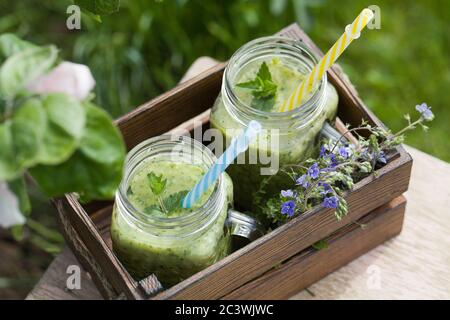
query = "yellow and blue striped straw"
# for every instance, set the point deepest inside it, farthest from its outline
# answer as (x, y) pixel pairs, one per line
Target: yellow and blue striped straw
(238, 144)
(352, 32)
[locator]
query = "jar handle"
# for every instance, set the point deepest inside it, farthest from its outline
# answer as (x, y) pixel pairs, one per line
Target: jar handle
(330, 132)
(243, 228)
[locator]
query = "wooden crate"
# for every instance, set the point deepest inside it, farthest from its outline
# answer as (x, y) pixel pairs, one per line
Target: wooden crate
(86, 227)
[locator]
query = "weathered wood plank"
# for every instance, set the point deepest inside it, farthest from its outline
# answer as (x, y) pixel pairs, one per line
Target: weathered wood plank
(311, 265)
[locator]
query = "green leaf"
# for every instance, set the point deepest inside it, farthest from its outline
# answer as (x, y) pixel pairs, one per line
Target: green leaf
(99, 7)
(173, 201)
(65, 112)
(263, 104)
(11, 44)
(19, 188)
(157, 183)
(153, 209)
(66, 119)
(263, 89)
(320, 245)
(18, 232)
(252, 84)
(28, 126)
(92, 178)
(9, 168)
(25, 66)
(342, 209)
(101, 140)
(264, 72)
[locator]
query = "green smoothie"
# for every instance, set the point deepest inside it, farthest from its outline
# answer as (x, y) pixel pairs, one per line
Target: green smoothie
(172, 257)
(294, 144)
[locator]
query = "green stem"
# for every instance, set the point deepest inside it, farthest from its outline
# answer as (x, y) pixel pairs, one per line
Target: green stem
(44, 232)
(161, 204)
(409, 127)
(346, 132)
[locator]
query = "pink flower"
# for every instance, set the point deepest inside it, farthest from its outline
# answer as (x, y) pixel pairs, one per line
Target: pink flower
(70, 78)
(10, 214)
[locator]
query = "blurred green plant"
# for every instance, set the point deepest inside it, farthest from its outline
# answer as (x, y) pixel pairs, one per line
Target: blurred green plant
(64, 141)
(144, 48)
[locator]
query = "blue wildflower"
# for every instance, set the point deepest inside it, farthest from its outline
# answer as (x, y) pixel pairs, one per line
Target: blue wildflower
(333, 161)
(330, 202)
(344, 152)
(287, 193)
(323, 151)
(288, 208)
(425, 111)
(326, 188)
(302, 181)
(381, 157)
(313, 171)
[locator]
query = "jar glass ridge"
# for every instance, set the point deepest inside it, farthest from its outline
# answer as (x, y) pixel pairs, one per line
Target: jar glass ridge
(162, 148)
(297, 56)
(173, 248)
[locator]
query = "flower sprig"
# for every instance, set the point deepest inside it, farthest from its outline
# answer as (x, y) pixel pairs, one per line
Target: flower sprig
(324, 180)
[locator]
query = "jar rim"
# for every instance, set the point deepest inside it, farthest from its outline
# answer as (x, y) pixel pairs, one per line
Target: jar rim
(296, 49)
(200, 216)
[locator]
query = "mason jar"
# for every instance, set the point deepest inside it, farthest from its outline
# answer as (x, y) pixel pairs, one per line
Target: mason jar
(173, 246)
(287, 137)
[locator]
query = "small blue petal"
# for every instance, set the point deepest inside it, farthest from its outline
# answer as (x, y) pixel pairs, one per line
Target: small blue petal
(323, 151)
(425, 111)
(302, 181)
(288, 208)
(313, 171)
(330, 202)
(287, 193)
(382, 157)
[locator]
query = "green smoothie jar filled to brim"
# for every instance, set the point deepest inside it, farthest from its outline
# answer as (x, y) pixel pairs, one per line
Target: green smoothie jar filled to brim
(259, 77)
(150, 231)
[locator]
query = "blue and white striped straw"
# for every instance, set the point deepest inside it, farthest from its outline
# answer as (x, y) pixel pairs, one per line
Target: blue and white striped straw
(238, 144)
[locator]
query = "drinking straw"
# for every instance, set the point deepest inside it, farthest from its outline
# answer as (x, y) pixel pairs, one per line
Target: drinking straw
(352, 32)
(238, 144)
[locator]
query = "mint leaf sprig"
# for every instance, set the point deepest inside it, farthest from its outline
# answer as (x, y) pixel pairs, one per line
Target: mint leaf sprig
(263, 88)
(166, 205)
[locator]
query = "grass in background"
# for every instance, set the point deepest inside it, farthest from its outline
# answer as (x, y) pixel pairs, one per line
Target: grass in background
(144, 49)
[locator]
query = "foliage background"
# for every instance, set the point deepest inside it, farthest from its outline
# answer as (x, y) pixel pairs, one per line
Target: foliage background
(145, 48)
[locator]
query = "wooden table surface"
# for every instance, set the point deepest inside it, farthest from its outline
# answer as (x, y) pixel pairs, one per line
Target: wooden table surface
(414, 265)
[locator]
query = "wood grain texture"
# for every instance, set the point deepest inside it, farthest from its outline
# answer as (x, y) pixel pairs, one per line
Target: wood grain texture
(311, 265)
(92, 250)
(52, 285)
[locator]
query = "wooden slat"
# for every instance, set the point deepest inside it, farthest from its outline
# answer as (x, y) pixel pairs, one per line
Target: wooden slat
(69, 208)
(311, 265)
